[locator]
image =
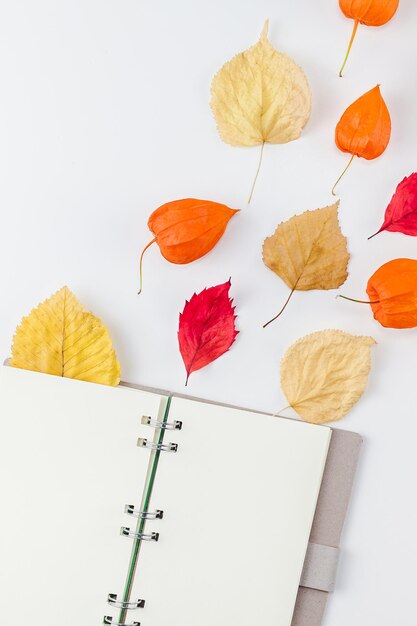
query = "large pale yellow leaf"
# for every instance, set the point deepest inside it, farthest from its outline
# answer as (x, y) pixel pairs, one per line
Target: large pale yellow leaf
(260, 96)
(309, 251)
(324, 374)
(59, 337)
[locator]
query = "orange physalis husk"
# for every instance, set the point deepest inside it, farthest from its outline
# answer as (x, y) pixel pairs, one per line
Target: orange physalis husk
(364, 130)
(392, 292)
(185, 230)
(367, 12)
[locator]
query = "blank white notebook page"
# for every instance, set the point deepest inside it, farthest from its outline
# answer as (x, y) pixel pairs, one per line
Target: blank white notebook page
(68, 464)
(239, 498)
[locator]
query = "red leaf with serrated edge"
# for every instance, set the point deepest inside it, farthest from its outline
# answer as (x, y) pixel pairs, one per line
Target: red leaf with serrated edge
(401, 213)
(207, 327)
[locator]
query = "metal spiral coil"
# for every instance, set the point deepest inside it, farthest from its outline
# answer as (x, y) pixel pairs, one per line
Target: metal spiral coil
(148, 421)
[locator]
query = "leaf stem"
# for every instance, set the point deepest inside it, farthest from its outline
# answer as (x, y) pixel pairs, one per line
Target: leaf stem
(377, 233)
(342, 174)
(140, 264)
(283, 308)
(278, 413)
(355, 28)
(360, 301)
(257, 173)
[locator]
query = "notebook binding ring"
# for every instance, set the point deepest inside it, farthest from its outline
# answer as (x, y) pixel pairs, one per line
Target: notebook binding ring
(160, 447)
(126, 532)
(150, 515)
(108, 620)
(112, 600)
(148, 421)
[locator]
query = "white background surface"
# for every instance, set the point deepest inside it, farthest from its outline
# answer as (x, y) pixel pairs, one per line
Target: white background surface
(105, 116)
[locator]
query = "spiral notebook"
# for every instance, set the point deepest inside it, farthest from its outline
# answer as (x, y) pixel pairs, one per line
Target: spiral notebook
(127, 506)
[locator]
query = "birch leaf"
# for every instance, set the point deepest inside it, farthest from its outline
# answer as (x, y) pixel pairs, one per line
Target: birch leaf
(260, 96)
(324, 374)
(59, 337)
(308, 251)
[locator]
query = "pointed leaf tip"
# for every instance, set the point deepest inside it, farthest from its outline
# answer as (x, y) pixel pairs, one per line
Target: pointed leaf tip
(264, 33)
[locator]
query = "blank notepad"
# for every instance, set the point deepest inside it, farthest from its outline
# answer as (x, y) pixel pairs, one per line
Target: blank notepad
(238, 498)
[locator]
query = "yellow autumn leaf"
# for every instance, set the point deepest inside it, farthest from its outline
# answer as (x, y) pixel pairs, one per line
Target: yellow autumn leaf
(60, 337)
(324, 374)
(260, 96)
(308, 251)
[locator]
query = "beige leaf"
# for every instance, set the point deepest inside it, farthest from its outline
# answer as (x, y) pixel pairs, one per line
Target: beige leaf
(324, 374)
(59, 337)
(260, 96)
(308, 251)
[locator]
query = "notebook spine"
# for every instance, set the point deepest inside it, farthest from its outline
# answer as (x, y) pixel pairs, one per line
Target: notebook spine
(142, 514)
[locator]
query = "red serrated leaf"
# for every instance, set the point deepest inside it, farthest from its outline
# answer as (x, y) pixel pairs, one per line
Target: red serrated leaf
(401, 213)
(207, 327)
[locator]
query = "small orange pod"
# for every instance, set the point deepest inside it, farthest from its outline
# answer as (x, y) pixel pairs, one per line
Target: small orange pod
(185, 230)
(364, 129)
(392, 292)
(369, 12)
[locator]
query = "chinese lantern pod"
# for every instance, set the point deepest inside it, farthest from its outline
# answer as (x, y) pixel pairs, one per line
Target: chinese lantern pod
(364, 129)
(185, 230)
(392, 292)
(369, 12)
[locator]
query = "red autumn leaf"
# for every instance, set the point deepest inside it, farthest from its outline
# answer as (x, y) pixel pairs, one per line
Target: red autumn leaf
(207, 327)
(401, 213)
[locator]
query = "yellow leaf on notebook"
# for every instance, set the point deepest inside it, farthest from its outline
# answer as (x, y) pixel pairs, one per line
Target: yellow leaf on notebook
(308, 251)
(260, 96)
(324, 374)
(60, 337)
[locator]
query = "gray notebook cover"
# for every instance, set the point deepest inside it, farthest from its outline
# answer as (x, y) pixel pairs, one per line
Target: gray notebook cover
(327, 527)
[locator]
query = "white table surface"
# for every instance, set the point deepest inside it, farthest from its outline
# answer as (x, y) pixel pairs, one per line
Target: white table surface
(105, 116)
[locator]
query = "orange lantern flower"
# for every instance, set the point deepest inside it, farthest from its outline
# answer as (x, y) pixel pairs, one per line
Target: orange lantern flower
(185, 230)
(368, 12)
(392, 292)
(364, 130)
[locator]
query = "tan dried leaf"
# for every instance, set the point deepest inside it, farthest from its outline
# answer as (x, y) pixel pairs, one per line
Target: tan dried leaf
(59, 337)
(324, 374)
(260, 96)
(309, 251)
